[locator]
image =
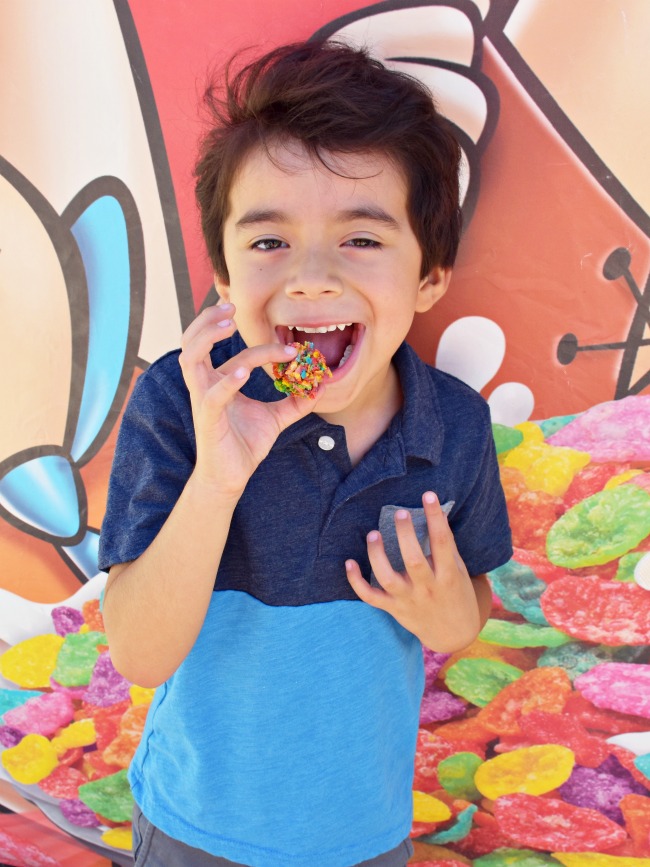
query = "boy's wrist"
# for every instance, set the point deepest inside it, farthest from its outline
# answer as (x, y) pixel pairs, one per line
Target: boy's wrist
(212, 492)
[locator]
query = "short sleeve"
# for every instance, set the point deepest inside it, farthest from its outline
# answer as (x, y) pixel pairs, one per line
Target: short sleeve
(154, 456)
(480, 523)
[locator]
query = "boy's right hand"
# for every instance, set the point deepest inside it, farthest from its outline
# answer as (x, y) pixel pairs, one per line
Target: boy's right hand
(233, 433)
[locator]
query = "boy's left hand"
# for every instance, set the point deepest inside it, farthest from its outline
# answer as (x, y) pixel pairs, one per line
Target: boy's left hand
(434, 598)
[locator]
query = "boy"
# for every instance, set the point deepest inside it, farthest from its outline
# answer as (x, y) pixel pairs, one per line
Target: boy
(283, 731)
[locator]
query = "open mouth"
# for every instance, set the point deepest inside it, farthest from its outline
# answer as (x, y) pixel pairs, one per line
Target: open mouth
(336, 341)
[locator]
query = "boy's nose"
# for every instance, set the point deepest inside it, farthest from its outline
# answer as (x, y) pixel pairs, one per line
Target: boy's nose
(312, 276)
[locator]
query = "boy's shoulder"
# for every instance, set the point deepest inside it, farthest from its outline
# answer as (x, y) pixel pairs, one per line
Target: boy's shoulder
(451, 394)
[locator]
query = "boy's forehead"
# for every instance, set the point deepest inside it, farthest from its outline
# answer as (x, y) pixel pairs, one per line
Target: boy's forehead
(266, 168)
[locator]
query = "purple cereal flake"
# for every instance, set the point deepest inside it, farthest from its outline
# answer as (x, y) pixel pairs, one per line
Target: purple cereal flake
(107, 686)
(77, 813)
(439, 706)
(601, 788)
(10, 736)
(42, 715)
(66, 620)
(433, 662)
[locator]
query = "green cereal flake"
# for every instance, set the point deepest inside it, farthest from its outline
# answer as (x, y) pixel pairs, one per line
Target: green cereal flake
(515, 858)
(77, 658)
(601, 528)
(456, 775)
(480, 680)
(510, 634)
(506, 438)
(109, 797)
(626, 564)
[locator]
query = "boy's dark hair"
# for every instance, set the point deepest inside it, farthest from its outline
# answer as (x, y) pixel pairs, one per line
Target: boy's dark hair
(332, 97)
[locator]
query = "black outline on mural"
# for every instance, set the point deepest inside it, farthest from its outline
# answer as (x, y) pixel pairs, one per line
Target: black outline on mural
(473, 150)
(495, 23)
(116, 189)
(160, 162)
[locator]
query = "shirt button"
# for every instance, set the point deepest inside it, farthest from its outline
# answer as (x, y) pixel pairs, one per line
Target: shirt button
(326, 443)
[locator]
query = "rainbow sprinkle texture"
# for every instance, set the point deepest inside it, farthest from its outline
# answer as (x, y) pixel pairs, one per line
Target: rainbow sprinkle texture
(303, 375)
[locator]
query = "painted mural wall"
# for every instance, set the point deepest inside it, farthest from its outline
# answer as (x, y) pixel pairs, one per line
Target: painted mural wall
(535, 742)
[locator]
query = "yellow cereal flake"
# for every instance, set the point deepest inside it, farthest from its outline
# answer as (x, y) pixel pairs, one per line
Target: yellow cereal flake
(141, 694)
(78, 734)
(31, 760)
(532, 432)
(534, 770)
(119, 838)
(546, 468)
(621, 478)
(597, 859)
(30, 663)
(426, 808)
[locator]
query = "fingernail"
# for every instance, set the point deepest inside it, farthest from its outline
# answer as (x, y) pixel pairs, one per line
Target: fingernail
(224, 323)
(226, 306)
(401, 515)
(290, 350)
(349, 565)
(373, 536)
(430, 497)
(241, 373)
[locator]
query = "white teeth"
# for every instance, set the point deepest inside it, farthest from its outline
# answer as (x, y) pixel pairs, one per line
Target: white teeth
(346, 355)
(321, 329)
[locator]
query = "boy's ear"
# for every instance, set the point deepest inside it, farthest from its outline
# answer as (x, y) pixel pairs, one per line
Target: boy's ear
(432, 288)
(223, 288)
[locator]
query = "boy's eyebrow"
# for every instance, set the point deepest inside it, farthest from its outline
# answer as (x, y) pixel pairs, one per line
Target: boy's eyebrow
(364, 212)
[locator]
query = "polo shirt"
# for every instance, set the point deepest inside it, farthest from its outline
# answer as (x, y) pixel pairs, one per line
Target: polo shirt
(286, 738)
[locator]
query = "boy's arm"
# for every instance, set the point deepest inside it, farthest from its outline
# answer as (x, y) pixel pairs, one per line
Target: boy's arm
(434, 598)
(155, 605)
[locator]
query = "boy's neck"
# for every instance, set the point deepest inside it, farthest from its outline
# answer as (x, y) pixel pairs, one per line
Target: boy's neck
(365, 424)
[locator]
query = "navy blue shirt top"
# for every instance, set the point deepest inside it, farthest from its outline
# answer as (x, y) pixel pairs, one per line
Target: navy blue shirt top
(287, 735)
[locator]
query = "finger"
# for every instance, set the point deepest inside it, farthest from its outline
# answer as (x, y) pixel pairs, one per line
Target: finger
(372, 595)
(209, 316)
(441, 539)
(390, 580)
(415, 561)
(257, 356)
(200, 337)
(222, 392)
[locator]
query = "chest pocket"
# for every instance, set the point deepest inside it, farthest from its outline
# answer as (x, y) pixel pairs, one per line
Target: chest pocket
(389, 534)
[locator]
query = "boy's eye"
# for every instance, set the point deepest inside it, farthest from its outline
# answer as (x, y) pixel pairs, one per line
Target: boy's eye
(268, 244)
(362, 242)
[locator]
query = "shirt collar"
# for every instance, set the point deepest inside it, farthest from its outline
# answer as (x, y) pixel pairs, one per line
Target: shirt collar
(421, 439)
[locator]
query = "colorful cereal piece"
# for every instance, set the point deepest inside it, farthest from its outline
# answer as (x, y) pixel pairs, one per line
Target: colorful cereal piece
(10, 736)
(601, 788)
(480, 680)
(551, 824)
(31, 760)
(426, 808)
(553, 728)
(110, 797)
(107, 686)
(42, 715)
(456, 775)
(77, 658)
(16, 850)
(118, 838)
(66, 619)
(590, 480)
(619, 686)
(539, 689)
(304, 374)
(63, 782)
(458, 831)
(546, 468)
(606, 721)
(31, 662)
(439, 706)
(519, 590)
(600, 528)
(616, 430)
(506, 438)
(78, 813)
(431, 749)
(515, 858)
(576, 657)
(625, 567)
(141, 694)
(636, 813)
(603, 612)
(11, 698)
(510, 634)
(643, 764)
(93, 616)
(535, 770)
(80, 733)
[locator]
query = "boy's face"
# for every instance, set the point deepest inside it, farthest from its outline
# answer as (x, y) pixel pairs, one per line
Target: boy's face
(310, 248)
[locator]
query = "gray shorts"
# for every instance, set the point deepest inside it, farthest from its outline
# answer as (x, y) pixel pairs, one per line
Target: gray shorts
(153, 848)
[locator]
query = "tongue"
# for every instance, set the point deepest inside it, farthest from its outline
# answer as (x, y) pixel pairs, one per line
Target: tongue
(332, 344)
